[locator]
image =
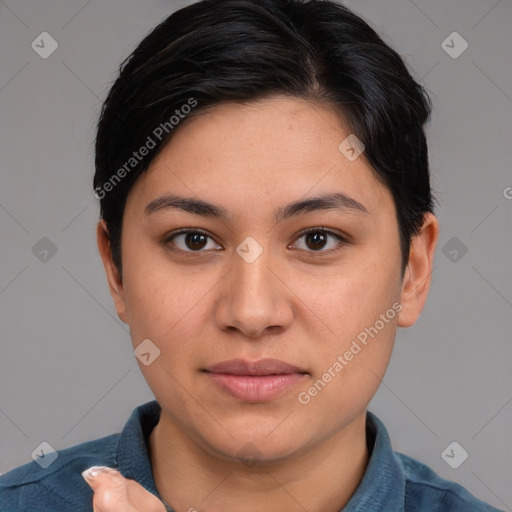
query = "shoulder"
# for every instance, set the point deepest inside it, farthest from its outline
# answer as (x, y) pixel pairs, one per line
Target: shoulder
(425, 490)
(60, 485)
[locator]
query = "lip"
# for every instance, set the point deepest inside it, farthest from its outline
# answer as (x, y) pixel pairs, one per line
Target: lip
(254, 381)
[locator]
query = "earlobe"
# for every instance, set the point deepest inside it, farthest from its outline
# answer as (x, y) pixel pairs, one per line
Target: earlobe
(417, 276)
(115, 282)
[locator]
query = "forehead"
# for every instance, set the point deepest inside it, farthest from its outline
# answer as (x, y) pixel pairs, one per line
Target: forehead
(258, 156)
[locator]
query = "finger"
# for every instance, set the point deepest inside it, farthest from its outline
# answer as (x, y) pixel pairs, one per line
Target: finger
(114, 493)
(110, 490)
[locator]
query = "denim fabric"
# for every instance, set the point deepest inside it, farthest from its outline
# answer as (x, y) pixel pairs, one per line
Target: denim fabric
(392, 482)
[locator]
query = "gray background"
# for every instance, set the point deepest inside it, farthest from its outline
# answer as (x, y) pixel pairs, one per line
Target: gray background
(67, 372)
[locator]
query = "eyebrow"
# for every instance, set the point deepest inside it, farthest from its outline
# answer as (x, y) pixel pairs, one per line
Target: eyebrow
(334, 201)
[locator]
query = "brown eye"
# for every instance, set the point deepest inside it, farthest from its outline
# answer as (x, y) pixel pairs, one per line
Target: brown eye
(195, 240)
(318, 240)
(191, 241)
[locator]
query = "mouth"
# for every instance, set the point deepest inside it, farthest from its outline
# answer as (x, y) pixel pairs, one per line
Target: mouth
(254, 381)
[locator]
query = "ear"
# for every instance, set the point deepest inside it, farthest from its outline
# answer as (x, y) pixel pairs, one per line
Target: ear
(115, 282)
(417, 276)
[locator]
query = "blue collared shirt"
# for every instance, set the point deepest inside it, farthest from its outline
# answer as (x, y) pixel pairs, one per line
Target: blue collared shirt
(392, 482)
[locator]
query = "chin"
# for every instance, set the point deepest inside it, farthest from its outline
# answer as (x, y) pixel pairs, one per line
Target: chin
(257, 446)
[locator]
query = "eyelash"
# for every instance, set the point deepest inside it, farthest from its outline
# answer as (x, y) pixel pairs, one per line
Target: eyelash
(342, 240)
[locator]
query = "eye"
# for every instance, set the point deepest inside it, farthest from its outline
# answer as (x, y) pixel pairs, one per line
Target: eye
(191, 240)
(316, 239)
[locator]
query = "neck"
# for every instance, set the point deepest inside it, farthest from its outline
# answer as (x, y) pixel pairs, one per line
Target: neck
(321, 479)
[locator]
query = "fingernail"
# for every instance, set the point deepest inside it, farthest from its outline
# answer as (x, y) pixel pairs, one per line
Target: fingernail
(95, 471)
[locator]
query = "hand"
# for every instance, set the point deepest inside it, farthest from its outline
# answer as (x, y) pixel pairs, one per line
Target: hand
(114, 493)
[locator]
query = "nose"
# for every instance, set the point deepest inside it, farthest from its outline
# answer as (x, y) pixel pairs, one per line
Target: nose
(254, 300)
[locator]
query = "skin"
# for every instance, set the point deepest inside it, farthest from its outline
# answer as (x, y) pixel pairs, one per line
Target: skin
(298, 302)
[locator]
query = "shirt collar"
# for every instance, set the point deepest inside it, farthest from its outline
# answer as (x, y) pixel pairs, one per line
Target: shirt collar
(383, 483)
(133, 458)
(382, 486)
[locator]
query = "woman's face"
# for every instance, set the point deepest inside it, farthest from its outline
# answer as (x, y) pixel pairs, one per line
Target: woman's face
(251, 285)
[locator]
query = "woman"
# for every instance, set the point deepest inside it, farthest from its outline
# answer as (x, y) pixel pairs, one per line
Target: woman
(266, 226)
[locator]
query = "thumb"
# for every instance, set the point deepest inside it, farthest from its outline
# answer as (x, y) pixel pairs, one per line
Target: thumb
(114, 493)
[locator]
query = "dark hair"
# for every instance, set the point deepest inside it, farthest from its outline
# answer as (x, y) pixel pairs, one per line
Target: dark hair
(215, 51)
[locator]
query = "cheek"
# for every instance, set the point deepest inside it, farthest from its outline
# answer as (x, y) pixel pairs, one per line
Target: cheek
(350, 369)
(362, 317)
(357, 299)
(167, 308)
(164, 303)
